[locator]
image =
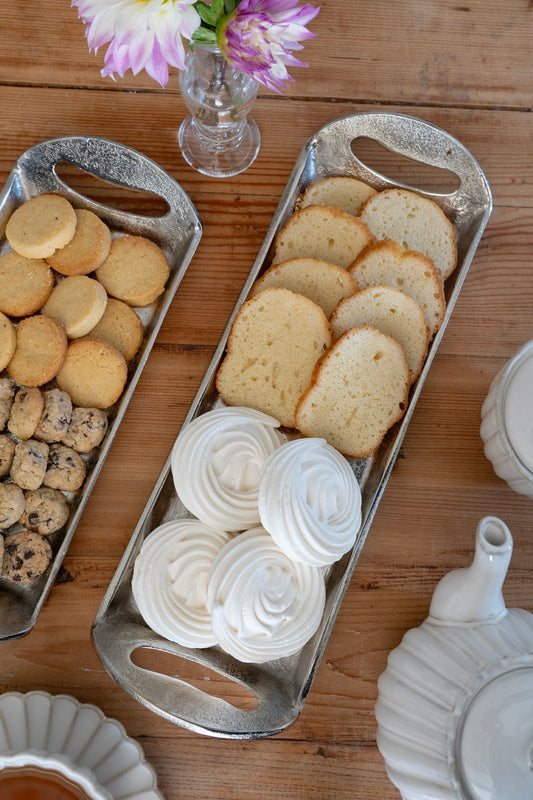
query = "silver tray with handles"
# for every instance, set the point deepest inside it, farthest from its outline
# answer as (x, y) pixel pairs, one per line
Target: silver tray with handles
(177, 232)
(281, 686)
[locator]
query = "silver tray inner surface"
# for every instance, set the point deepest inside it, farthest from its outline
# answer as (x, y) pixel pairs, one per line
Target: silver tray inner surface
(282, 686)
(177, 232)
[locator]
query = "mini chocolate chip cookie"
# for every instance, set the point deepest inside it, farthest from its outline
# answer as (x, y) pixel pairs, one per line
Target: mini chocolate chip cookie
(26, 556)
(7, 392)
(7, 451)
(25, 413)
(46, 511)
(87, 428)
(55, 418)
(11, 504)
(29, 463)
(66, 468)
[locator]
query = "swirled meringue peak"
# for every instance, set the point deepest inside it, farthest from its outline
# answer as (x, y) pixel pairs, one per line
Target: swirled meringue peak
(216, 465)
(310, 501)
(169, 581)
(263, 606)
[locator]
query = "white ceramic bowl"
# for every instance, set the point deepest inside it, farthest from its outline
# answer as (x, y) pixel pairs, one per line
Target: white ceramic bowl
(507, 422)
(78, 735)
(44, 763)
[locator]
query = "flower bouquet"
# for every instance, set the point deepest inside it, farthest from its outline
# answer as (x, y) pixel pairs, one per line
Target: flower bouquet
(223, 50)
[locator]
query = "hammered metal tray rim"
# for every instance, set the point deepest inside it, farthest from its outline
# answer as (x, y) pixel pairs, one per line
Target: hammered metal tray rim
(36, 164)
(117, 600)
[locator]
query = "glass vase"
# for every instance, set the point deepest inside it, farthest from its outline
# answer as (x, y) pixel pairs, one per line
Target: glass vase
(218, 138)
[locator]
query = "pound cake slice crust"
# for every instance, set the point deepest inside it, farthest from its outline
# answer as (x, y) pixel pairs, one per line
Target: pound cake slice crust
(324, 283)
(386, 263)
(415, 222)
(274, 343)
(341, 191)
(358, 391)
(390, 311)
(322, 232)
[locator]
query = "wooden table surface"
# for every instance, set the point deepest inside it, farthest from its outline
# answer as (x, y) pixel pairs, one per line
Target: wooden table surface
(465, 67)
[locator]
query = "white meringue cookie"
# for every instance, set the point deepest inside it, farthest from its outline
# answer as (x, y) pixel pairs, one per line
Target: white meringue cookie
(169, 581)
(263, 606)
(310, 501)
(216, 465)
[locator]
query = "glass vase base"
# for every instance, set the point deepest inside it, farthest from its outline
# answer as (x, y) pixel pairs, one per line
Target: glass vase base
(219, 162)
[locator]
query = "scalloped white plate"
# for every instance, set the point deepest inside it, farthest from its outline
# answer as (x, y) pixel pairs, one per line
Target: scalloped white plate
(60, 724)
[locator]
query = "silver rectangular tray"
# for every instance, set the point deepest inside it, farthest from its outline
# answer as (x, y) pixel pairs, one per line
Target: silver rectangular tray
(282, 686)
(177, 232)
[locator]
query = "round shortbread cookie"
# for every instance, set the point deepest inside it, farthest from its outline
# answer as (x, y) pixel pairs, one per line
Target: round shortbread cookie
(390, 311)
(25, 284)
(93, 373)
(340, 191)
(78, 302)
(121, 327)
(40, 351)
(136, 270)
(323, 283)
(41, 225)
(88, 248)
(8, 341)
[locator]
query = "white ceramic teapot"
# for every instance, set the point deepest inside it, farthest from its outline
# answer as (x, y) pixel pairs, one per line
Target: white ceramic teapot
(455, 704)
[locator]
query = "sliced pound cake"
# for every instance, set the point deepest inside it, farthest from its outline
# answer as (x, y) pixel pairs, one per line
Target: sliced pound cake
(415, 222)
(274, 343)
(325, 284)
(390, 311)
(340, 191)
(359, 390)
(322, 232)
(387, 263)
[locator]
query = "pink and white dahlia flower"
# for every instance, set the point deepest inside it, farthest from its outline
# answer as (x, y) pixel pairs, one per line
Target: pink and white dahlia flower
(143, 34)
(258, 36)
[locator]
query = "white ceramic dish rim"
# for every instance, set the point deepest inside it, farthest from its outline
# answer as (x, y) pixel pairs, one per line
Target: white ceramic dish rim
(504, 381)
(116, 787)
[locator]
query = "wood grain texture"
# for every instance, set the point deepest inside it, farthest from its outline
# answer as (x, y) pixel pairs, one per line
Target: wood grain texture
(462, 67)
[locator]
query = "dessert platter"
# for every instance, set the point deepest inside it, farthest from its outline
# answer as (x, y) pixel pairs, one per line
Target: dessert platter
(73, 344)
(278, 567)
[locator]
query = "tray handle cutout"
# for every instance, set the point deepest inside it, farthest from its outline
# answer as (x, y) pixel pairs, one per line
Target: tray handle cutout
(113, 163)
(407, 136)
(116, 639)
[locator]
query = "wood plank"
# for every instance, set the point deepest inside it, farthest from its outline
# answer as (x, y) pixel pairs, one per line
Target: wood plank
(470, 55)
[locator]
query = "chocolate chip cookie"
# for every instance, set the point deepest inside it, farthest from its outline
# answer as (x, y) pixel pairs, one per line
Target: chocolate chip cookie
(11, 504)
(29, 463)
(66, 468)
(55, 418)
(46, 510)
(87, 428)
(26, 556)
